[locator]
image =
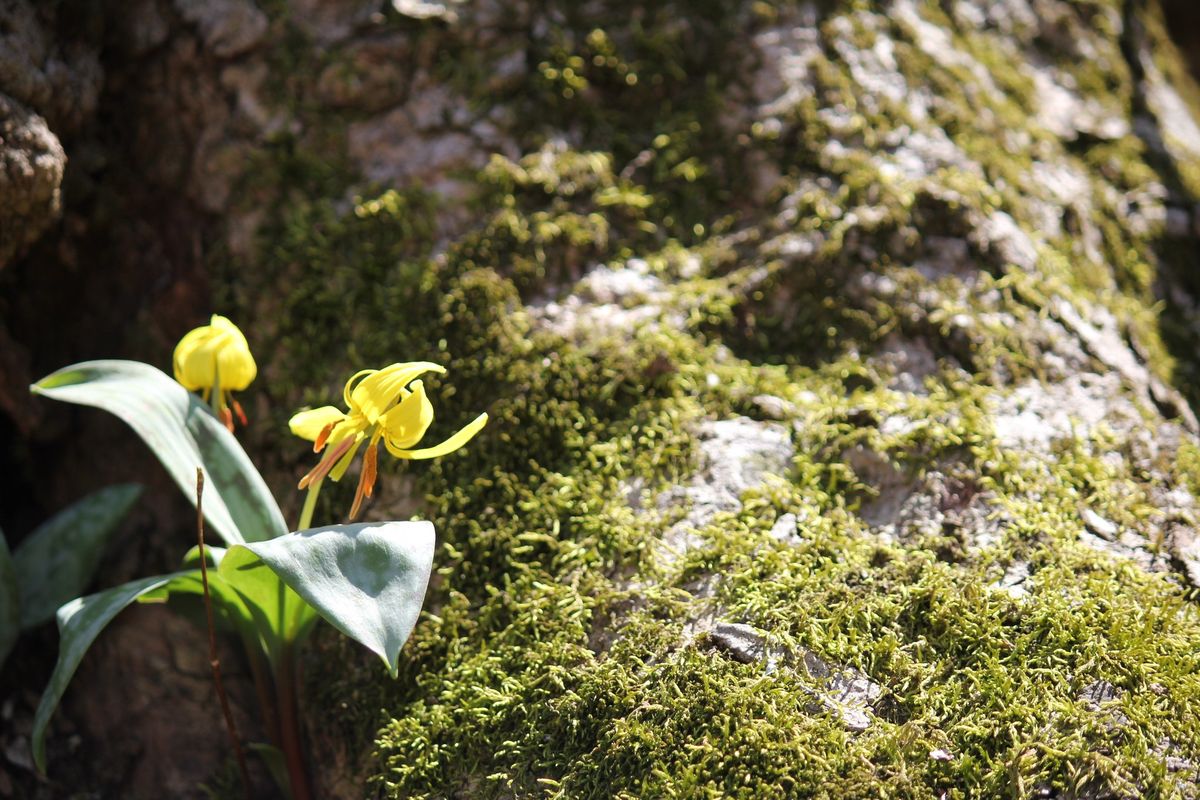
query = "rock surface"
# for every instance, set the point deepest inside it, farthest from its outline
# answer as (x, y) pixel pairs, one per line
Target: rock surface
(32, 162)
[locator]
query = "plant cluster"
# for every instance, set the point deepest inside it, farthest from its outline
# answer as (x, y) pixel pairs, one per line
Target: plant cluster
(264, 584)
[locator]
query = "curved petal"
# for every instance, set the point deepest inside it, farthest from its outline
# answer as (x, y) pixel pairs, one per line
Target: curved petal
(408, 420)
(194, 365)
(449, 446)
(362, 373)
(236, 364)
(377, 393)
(217, 352)
(309, 424)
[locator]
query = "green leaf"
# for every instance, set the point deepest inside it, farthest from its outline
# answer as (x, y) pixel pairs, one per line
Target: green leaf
(79, 623)
(276, 764)
(368, 580)
(192, 557)
(227, 603)
(10, 604)
(57, 561)
(184, 435)
(281, 617)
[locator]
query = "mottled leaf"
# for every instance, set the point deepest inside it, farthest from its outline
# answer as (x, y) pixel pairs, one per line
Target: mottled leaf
(368, 580)
(57, 561)
(184, 435)
(79, 623)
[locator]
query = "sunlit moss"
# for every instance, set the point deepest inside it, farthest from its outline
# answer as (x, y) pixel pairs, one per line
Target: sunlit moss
(556, 657)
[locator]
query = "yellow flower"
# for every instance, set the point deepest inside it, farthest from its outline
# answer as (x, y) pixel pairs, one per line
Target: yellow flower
(216, 357)
(388, 404)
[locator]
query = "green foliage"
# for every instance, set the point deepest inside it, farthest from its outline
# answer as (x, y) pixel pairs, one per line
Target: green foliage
(59, 559)
(592, 215)
(262, 606)
(368, 580)
(184, 436)
(341, 274)
(79, 623)
(645, 86)
(516, 694)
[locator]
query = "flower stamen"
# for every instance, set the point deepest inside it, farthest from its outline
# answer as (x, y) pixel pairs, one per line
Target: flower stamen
(237, 409)
(327, 463)
(386, 406)
(370, 468)
(366, 480)
(323, 437)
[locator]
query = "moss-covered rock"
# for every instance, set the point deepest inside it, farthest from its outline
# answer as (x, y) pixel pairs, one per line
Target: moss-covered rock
(931, 253)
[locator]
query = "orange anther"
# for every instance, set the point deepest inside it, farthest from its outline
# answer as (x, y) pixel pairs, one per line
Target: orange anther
(366, 480)
(370, 469)
(237, 409)
(323, 437)
(327, 463)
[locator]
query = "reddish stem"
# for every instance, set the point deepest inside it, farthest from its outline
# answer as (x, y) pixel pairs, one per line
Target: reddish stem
(263, 688)
(289, 725)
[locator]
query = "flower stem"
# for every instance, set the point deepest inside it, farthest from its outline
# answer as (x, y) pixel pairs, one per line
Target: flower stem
(310, 503)
(289, 725)
(263, 687)
(213, 660)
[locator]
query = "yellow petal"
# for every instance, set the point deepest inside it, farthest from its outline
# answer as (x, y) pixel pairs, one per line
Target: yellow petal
(377, 392)
(214, 354)
(449, 446)
(408, 420)
(362, 373)
(194, 369)
(235, 363)
(309, 424)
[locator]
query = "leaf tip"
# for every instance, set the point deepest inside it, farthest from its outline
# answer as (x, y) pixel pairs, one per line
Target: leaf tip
(37, 744)
(64, 377)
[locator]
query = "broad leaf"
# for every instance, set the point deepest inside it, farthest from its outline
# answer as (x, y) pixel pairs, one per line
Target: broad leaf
(368, 580)
(281, 617)
(10, 613)
(184, 435)
(227, 603)
(79, 623)
(57, 561)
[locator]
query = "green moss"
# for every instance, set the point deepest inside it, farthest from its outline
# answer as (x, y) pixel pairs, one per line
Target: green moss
(558, 656)
(555, 213)
(512, 693)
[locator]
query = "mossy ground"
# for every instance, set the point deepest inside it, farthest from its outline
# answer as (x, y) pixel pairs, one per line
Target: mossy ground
(554, 658)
